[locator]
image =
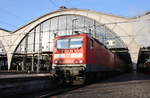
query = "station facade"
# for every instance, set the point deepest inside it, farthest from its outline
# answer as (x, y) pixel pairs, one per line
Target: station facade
(30, 47)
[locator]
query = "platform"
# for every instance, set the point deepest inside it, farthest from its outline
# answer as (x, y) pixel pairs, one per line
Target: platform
(10, 76)
(14, 84)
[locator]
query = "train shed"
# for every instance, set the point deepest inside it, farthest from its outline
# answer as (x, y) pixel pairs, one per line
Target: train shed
(30, 47)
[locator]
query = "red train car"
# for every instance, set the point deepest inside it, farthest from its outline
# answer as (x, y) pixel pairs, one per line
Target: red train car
(77, 57)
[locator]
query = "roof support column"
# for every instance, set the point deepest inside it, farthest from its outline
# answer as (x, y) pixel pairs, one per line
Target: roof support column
(9, 58)
(134, 51)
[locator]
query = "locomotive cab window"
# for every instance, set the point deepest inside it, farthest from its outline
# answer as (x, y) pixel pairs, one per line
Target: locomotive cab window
(76, 42)
(69, 43)
(62, 44)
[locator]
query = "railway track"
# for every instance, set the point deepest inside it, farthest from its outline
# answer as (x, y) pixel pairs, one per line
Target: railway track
(47, 93)
(60, 91)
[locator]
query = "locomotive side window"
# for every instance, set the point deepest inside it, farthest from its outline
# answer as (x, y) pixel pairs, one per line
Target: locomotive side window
(91, 43)
(69, 43)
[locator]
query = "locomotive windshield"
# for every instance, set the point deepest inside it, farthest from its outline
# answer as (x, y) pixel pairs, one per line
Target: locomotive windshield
(69, 43)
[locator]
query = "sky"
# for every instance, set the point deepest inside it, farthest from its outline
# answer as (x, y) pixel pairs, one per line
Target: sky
(16, 13)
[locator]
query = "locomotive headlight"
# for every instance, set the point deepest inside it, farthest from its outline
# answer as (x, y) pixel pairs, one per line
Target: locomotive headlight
(80, 61)
(56, 61)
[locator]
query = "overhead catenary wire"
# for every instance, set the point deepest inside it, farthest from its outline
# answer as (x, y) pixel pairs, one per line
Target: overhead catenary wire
(13, 14)
(53, 3)
(2, 22)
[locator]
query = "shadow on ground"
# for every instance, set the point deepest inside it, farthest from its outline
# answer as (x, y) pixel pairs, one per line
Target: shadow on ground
(127, 77)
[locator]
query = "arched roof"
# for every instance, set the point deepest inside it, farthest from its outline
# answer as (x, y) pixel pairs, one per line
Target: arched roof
(100, 17)
(70, 9)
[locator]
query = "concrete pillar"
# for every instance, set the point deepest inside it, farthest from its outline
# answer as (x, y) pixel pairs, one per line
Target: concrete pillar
(9, 58)
(23, 63)
(32, 66)
(40, 48)
(38, 63)
(134, 58)
(134, 52)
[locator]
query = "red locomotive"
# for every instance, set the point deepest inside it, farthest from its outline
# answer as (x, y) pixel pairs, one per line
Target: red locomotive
(80, 57)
